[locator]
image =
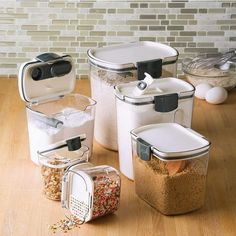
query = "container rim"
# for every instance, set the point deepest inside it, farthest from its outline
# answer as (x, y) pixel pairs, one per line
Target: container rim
(131, 65)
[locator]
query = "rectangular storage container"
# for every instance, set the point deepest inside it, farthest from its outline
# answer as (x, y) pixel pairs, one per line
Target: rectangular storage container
(89, 192)
(170, 167)
(53, 112)
(112, 65)
(56, 159)
(165, 100)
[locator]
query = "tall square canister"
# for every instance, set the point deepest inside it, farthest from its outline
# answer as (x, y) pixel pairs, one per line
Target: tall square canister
(112, 65)
(53, 112)
(165, 100)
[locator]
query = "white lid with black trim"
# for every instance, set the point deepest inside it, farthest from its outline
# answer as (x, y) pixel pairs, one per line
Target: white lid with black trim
(164, 93)
(49, 76)
(169, 141)
(144, 56)
(65, 153)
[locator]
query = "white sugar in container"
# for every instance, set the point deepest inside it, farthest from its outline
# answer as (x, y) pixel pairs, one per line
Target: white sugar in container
(53, 112)
(165, 100)
(112, 65)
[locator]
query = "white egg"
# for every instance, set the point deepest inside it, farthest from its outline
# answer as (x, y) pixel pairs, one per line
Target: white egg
(201, 90)
(216, 95)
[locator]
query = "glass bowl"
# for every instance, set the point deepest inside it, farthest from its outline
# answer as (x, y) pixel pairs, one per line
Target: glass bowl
(225, 77)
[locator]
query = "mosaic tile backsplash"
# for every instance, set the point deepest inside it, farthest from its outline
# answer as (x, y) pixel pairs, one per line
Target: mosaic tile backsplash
(28, 28)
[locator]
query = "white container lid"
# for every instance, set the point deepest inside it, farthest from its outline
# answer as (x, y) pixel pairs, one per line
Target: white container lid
(159, 87)
(37, 91)
(125, 56)
(171, 141)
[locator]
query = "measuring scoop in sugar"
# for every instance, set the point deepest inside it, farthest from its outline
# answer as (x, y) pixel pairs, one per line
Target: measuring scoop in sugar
(143, 85)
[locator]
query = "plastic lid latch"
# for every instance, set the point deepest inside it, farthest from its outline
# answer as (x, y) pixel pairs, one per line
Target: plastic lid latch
(74, 144)
(55, 66)
(152, 67)
(166, 103)
(143, 150)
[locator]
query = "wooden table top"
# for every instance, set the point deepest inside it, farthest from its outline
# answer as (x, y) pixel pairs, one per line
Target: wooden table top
(24, 211)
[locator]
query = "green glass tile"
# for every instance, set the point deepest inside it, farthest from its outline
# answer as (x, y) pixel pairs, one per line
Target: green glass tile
(147, 16)
(147, 38)
(125, 33)
(175, 27)
(170, 39)
(165, 22)
(215, 33)
(125, 11)
(134, 5)
(185, 16)
(156, 28)
(188, 33)
(111, 11)
(85, 27)
(176, 5)
(97, 10)
(217, 10)
(202, 11)
(98, 33)
(225, 4)
(188, 11)
(143, 5)
(88, 44)
(158, 5)
(143, 28)
(232, 38)
(85, 5)
(178, 45)
(161, 17)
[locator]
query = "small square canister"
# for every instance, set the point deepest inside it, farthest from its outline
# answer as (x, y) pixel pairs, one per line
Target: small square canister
(56, 159)
(170, 167)
(89, 192)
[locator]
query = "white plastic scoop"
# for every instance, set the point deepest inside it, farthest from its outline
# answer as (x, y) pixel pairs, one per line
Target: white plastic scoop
(143, 85)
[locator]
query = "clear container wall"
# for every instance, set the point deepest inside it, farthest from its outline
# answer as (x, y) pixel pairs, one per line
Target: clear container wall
(67, 117)
(172, 187)
(102, 88)
(106, 195)
(53, 166)
(139, 115)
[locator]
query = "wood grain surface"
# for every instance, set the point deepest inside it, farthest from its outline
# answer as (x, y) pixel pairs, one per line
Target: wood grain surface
(24, 211)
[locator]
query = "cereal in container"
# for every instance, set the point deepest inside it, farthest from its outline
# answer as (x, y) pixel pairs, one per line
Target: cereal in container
(56, 159)
(89, 192)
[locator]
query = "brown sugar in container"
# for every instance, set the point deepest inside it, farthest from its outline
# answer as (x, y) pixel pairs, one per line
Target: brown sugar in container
(170, 167)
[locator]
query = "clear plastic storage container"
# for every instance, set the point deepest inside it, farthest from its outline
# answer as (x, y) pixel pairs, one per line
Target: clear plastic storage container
(170, 167)
(117, 64)
(56, 159)
(53, 112)
(164, 100)
(89, 192)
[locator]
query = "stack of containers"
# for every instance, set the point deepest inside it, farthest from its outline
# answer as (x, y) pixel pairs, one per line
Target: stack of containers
(60, 127)
(113, 65)
(54, 114)
(165, 100)
(167, 155)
